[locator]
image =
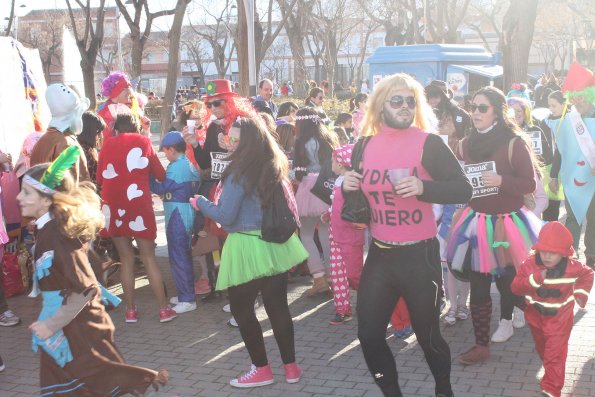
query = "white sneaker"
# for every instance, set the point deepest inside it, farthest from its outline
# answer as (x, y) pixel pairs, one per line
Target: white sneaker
(227, 308)
(518, 318)
(174, 300)
(450, 317)
(184, 307)
(504, 331)
(232, 322)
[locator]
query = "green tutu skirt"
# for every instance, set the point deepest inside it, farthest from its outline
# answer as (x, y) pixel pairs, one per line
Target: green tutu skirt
(247, 257)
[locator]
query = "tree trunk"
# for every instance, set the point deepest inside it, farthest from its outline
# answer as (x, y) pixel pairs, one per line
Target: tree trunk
(136, 57)
(517, 36)
(173, 65)
(88, 69)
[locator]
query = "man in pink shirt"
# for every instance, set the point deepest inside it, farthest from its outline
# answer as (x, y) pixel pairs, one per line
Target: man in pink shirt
(403, 170)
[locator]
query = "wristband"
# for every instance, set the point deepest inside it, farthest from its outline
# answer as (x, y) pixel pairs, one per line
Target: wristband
(194, 203)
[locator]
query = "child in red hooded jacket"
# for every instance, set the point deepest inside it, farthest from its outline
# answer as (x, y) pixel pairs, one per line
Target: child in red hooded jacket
(551, 282)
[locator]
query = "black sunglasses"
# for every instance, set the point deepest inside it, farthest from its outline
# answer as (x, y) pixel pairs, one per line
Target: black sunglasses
(216, 103)
(397, 101)
(482, 108)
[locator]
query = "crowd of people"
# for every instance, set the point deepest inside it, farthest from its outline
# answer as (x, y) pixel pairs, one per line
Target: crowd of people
(413, 201)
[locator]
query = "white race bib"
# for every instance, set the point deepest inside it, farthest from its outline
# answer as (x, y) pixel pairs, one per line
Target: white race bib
(218, 164)
(473, 173)
(535, 139)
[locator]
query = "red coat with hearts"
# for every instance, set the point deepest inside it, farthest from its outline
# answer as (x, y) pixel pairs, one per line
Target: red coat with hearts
(125, 163)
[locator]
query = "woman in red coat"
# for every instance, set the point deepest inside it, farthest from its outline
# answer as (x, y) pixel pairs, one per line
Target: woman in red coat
(125, 163)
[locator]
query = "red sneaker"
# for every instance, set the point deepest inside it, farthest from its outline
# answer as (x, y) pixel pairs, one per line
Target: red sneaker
(257, 376)
(202, 287)
(131, 315)
(293, 373)
(166, 314)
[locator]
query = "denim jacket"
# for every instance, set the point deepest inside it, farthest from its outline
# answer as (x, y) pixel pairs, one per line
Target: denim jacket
(235, 211)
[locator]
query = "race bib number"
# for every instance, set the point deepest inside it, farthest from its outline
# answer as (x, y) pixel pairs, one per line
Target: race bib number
(535, 139)
(218, 164)
(473, 173)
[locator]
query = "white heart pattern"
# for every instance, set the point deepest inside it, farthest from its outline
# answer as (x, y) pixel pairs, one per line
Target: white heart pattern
(135, 159)
(121, 212)
(138, 225)
(109, 172)
(133, 192)
(118, 222)
(106, 214)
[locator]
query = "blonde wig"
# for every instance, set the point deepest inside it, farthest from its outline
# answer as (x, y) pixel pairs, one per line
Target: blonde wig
(424, 117)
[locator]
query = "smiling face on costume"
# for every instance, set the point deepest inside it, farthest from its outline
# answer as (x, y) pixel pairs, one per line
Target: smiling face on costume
(482, 121)
(401, 117)
(32, 203)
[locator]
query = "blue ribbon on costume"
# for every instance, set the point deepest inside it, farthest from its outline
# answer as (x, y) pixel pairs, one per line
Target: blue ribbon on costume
(107, 296)
(41, 269)
(56, 346)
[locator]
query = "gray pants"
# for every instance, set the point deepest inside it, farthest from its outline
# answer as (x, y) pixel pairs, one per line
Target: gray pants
(574, 227)
(315, 262)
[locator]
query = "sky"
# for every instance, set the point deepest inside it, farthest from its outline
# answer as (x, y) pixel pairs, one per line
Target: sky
(154, 5)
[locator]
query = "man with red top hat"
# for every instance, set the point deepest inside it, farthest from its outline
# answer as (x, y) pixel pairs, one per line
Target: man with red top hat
(551, 282)
(223, 107)
(574, 159)
(118, 89)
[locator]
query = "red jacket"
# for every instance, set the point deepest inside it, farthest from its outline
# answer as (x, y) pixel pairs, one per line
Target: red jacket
(555, 294)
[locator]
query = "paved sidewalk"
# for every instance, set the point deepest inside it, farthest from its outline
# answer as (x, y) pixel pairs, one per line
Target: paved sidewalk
(202, 353)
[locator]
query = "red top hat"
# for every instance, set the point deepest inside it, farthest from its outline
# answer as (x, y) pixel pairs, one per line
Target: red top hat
(219, 87)
(578, 78)
(554, 237)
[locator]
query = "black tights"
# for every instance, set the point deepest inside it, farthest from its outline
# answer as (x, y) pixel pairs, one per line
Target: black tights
(414, 273)
(480, 291)
(274, 297)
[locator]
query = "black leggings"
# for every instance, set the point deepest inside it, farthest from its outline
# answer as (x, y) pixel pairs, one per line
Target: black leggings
(414, 273)
(480, 291)
(274, 297)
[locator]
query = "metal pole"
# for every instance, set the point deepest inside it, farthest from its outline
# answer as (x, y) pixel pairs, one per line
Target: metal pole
(249, 8)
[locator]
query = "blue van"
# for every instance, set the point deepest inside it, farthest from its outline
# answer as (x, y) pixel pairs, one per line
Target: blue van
(465, 68)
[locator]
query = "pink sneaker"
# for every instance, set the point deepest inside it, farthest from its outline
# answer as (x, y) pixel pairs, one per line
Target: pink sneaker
(202, 287)
(257, 376)
(166, 314)
(293, 373)
(131, 315)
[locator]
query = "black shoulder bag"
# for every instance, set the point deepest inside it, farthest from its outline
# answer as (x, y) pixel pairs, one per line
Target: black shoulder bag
(278, 222)
(356, 208)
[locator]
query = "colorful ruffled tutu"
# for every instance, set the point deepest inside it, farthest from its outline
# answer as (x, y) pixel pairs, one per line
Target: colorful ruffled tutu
(308, 204)
(495, 241)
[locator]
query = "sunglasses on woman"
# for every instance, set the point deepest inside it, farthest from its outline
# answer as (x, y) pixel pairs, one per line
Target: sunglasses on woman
(396, 102)
(216, 103)
(482, 108)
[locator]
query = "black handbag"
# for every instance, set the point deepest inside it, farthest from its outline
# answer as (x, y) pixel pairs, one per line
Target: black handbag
(356, 208)
(278, 222)
(325, 183)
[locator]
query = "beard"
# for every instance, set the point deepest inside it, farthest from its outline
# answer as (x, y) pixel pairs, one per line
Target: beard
(393, 122)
